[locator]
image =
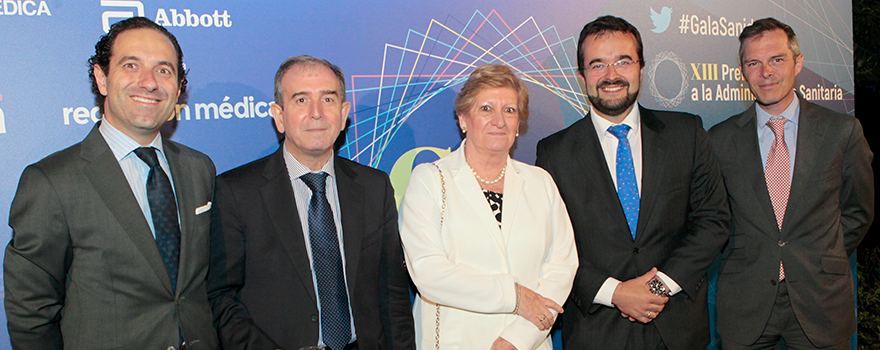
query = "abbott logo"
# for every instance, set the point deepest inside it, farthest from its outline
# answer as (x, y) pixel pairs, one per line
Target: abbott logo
(105, 18)
(2, 122)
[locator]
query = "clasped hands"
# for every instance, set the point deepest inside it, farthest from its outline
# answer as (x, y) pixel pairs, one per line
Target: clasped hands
(636, 302)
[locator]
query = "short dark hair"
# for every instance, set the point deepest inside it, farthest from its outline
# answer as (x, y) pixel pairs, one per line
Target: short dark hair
(308, 61)
(764, 25)
(104, 49)
(604, 25)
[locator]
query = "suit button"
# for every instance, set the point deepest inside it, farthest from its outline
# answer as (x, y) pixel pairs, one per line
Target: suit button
(314, 318)
(773, 282)
(635, 251)
(781, 243)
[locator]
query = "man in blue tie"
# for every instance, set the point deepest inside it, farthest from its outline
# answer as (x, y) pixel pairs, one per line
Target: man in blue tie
(305, 249)
(647, 203)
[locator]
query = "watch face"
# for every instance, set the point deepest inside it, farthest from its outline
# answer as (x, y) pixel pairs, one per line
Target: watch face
(656, 286)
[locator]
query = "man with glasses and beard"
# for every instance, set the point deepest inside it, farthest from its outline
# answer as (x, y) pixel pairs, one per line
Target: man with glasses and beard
(647, 202)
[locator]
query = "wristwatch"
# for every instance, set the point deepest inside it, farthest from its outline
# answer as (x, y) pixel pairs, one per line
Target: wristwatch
(656, 286)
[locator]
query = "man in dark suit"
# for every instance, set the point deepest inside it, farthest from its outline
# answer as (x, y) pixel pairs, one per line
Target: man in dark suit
(110, 236)
(304, 246)
(647, 203)
(801, 192)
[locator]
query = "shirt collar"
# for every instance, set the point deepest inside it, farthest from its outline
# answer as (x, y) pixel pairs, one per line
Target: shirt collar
(121, 144)
(791, 113)
(297, 169)
(633, 119)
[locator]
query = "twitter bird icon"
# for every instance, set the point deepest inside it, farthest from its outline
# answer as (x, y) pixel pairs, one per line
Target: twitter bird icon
(661, 20)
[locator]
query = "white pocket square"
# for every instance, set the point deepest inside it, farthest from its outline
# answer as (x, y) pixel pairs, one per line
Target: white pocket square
(203, 208)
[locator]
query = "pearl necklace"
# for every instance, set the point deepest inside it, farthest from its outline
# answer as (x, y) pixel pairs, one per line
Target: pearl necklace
(503, 170)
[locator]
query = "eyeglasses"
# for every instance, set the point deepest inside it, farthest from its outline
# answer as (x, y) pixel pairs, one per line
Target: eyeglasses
(622, 65)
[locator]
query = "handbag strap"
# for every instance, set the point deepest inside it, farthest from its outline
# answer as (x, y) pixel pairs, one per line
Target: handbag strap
(443, 192)
(442, 214)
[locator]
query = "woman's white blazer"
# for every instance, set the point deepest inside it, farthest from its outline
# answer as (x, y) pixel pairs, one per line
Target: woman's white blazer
(469, 266)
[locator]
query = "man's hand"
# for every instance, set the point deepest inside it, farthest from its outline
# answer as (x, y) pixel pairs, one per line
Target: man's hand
(501, 344)
(635, 301)
(536, 308)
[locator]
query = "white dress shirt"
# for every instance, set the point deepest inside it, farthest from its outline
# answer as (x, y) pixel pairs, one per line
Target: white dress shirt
(609, 149)
(609, 143)
(135, 169)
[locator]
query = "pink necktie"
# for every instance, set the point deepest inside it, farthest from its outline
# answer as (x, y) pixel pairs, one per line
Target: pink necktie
(778, 175)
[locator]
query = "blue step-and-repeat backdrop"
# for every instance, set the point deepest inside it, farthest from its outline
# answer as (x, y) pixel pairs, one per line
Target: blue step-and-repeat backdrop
(404, 62)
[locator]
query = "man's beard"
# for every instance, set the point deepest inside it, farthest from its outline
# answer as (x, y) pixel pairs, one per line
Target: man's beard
(613, 108)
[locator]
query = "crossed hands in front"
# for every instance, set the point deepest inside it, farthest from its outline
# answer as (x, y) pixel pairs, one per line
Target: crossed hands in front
(636, 302)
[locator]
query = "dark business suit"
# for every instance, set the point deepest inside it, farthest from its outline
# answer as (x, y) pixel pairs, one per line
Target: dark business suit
(682, 226)
(261, 282)
(830, 208)
(83, 271)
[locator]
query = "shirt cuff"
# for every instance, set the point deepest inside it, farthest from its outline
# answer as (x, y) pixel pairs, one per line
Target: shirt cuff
(606, 292)
(674, 288)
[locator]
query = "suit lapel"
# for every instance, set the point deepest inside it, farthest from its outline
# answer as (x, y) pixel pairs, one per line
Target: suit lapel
(469, 189)
(109, 182)
(279, 201)
(653, 166)
(810, 138)
(748, 153)
(351, 206)
(513, 189)
(183, 188)
(591, 161)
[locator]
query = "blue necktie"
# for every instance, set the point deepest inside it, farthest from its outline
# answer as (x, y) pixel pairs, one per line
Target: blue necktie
(163, 208)
(627, 189)
(327, 262)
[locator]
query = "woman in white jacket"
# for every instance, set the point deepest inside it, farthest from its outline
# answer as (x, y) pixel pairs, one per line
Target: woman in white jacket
(487, 239)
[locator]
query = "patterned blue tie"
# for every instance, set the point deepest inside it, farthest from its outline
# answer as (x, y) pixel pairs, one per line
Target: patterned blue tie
(163, 208)
(627, 189)
(327, 262)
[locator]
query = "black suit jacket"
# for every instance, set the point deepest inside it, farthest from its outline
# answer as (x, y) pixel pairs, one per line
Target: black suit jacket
(260, 282)
(830, 207)
(683, 219)
(83, 271)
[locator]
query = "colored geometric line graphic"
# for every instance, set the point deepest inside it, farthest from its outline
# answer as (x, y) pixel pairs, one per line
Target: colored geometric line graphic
(828, 34)
(440, 59)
